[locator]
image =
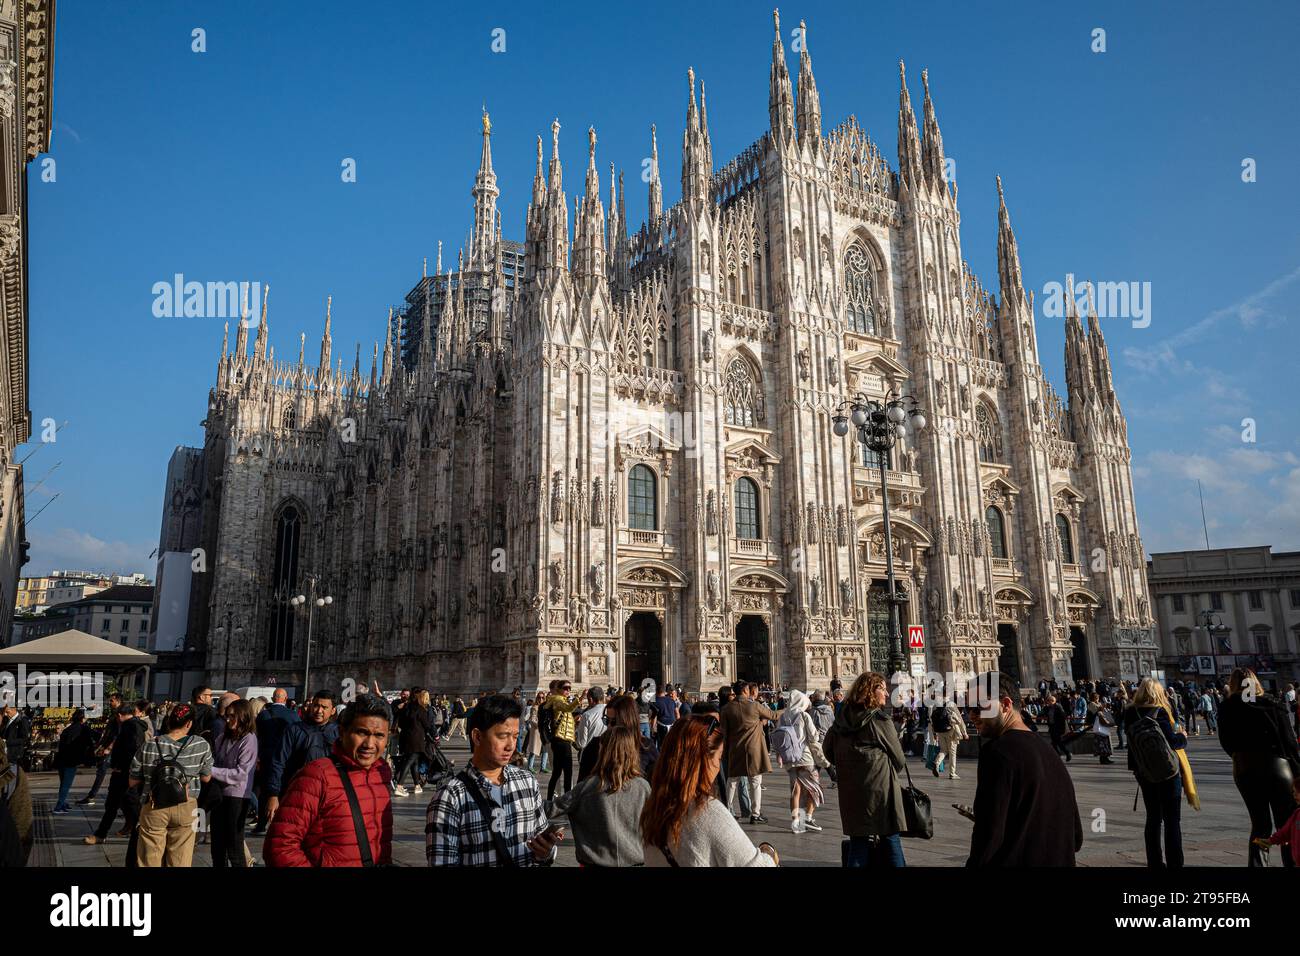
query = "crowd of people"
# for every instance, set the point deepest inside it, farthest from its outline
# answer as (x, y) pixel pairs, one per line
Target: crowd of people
(649, 776)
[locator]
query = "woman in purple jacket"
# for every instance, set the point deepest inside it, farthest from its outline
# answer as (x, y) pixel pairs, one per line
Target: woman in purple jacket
(233, 763)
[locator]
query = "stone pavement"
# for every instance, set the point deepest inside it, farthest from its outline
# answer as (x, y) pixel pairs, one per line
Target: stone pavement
(1214, 836)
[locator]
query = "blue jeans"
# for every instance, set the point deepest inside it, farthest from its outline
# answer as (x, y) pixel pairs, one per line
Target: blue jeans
(67, 776)
(886, 851)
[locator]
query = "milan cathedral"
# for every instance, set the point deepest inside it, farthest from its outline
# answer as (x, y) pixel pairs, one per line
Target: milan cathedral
(617, 460)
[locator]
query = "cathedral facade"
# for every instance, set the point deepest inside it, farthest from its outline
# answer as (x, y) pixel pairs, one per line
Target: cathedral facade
(620, 463)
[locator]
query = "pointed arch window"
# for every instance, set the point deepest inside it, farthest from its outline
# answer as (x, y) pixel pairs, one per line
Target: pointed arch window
(859, 290)
(744, 403)
(289, 417)
(747, 522)
(288, 534)
(988, 433)
(997, 532)
(1065, 538)
(642, 499)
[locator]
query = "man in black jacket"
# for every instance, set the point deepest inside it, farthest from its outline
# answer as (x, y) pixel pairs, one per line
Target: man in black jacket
(132, 732)
(17, 735)
(1025, 809)
(272, 724)
(104, 748)
(308, 740)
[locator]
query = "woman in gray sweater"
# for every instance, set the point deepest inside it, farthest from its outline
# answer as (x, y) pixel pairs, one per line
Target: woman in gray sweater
(604, 809)
(683, 823)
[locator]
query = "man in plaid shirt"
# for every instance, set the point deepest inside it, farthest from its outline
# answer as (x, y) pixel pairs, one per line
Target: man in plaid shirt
(490, 814)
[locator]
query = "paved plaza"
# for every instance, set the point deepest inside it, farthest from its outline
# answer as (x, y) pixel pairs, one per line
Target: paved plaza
(1215, 836)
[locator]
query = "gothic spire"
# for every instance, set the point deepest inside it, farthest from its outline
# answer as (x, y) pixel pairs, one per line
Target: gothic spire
(909, 145)
(589, 223)
(932, 143)
(326, 343)
(780, 100)
(263, 331)
(810, 104)
(656, 201)
(241, 333)
(1010, 281)
(622, 208)
(386, 370)
(556, 180)
(697, 161)
(485, 194)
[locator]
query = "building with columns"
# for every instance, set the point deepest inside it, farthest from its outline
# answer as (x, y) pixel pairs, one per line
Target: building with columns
(1252, 594)
(621, 464)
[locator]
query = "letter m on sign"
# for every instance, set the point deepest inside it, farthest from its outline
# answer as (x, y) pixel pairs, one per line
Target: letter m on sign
(916, 637)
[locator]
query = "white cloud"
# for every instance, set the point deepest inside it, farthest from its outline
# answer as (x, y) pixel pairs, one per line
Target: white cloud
(69, 549)
(1247, 312)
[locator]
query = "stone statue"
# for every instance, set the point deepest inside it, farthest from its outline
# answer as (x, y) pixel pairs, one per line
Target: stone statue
(597, 503)
(557, 582)
(815, 592)
(557, 497)
(846, 595)
(805, 364)
(714, 589)
(598, 582)
(711, 513)
(706, 346)
(957, 603)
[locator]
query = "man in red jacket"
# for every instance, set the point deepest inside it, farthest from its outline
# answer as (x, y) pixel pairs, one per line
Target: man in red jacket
(317, 823)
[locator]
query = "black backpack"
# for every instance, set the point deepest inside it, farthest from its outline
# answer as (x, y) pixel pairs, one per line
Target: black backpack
(169, 784)
(1153, 758)
(941, 720)
(546, 724)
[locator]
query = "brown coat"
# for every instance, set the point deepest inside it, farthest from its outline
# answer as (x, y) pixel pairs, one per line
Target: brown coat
(746, 745)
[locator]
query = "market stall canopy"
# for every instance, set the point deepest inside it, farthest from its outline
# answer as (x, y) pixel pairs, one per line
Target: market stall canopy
(73, 648)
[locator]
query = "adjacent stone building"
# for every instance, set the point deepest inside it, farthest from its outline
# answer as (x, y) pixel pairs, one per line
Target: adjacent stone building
(1253, 594)
(26, 99)
(622, 465)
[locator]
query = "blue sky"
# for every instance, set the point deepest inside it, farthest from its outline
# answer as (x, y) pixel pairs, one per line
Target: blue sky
(225, 165)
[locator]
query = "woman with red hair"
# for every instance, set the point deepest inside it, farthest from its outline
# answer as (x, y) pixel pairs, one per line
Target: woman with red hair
(683, 823)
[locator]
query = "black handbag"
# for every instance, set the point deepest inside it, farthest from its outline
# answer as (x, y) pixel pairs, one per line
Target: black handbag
(917, 811)
(916, 804)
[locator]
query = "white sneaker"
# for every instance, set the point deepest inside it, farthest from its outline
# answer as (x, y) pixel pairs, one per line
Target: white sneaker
(813, 825)
(796, 827)
(418, 789)
(401, 791)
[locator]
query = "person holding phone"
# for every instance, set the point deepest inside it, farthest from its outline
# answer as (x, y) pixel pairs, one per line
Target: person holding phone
(491, 813)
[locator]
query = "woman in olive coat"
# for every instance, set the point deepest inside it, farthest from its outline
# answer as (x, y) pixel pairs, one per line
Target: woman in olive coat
(863, 745)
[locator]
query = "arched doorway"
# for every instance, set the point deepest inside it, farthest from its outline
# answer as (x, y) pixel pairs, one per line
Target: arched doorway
(1079, 668)
(643, 648)
(1009, 651)
(753, 660)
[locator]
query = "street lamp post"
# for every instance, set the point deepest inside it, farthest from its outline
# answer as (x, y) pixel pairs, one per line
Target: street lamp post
(224, 633)
(880, 423)
(1213, 626)
(315, 601)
